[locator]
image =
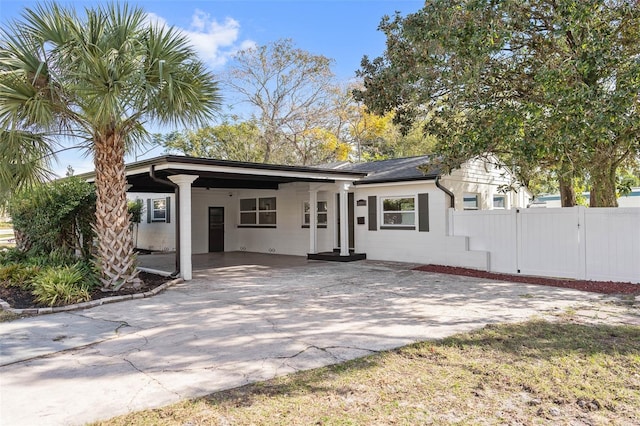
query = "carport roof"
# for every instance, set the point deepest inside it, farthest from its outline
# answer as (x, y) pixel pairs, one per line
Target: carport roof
(213, 173)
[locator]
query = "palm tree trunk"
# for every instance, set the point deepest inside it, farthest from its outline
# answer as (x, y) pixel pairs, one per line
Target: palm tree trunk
(116, 258)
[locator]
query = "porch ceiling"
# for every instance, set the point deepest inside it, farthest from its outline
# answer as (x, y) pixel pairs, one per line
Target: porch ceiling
(144, 183)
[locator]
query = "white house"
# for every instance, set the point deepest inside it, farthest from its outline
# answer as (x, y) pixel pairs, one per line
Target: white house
(383, 210)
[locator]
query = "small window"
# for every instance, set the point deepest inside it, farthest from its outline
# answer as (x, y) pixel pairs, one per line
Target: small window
(399, 212)
(470, 201)
(159, 210)
(499, 202)
(321, 219)
(258, 211)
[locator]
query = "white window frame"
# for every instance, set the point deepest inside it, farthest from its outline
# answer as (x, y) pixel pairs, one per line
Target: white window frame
(258, 212)
(504, 201)
(384, 212)
(320, 223)
(155, 218)
(467, 195)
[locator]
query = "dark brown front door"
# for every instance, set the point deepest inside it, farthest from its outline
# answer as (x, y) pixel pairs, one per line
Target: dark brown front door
(216, 229)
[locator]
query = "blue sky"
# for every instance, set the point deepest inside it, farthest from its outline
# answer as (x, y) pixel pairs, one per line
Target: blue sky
(343, 30)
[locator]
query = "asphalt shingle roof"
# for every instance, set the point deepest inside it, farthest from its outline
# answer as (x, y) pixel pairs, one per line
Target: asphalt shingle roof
(392, 170)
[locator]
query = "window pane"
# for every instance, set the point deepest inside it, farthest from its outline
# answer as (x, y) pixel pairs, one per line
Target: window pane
(390, 205)
(322, 218)
(265, 218)
(268, 203)
(306, 218)
(470, 201)
(247, 204)
(499, 201)
(306, 207)
(322, 206)
(398, 204)
(399, 219)
(247, 218)
(159, 209)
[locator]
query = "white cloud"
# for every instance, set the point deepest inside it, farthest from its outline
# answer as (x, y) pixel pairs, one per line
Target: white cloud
(215, 41)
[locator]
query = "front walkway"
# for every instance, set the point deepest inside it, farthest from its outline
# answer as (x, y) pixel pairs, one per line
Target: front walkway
(238, 324)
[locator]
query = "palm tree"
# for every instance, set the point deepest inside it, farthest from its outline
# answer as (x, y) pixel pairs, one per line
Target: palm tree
(99, 79)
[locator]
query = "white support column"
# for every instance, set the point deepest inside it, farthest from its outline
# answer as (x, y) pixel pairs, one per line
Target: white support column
(344, 219)
(313, 225)
(184, 183)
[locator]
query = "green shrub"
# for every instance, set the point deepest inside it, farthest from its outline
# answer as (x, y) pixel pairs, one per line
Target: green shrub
(57, 215)
(56, 257)
(12, 255)
(18, 274)
(63, 285)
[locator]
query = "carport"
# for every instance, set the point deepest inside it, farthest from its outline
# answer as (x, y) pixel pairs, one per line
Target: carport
(180, 175)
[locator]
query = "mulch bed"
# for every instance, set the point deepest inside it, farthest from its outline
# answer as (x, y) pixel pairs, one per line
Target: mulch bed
(19, 298)
(603, 287)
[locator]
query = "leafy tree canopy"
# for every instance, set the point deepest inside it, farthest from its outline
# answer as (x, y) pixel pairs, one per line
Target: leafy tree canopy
(547, 85)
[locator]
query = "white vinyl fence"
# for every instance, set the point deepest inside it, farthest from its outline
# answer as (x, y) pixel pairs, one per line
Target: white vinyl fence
(600, 244)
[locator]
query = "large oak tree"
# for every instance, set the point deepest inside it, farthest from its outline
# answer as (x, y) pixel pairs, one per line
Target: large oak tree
(547, 84)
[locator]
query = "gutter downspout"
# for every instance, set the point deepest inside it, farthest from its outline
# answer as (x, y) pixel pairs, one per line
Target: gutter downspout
(176, 191)
(446, 191)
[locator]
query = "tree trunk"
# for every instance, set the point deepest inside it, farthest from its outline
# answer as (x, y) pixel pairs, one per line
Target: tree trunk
(115, 258)
(603, 185)
(567, 192)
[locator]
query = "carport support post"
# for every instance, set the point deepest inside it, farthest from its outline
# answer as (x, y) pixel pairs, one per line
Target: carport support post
(344, 219)
(184, 183)
(313, 215)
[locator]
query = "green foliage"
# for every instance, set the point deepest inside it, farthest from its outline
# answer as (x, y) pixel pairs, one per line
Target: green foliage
(545, 85)
(12, 255)
(227, 141)
(17, 274)
(61, 285)
(55, 217)
(135, 209)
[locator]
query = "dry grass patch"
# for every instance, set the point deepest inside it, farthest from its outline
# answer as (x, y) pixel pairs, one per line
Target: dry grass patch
(536, 372)
(6, 316)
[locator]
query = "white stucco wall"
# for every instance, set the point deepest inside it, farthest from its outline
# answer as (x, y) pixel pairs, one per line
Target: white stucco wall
(411, 245)
(288, 237)
(158, 236)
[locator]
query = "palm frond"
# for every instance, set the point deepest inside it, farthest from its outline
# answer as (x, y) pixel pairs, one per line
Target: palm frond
(24, 159)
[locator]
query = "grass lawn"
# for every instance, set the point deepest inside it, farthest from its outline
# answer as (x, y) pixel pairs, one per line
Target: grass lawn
(536, 372)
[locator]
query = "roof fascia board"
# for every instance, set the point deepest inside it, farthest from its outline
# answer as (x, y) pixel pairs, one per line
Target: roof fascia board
(320, 175)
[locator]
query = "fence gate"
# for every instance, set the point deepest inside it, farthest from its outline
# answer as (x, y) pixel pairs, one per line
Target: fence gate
(549, 242)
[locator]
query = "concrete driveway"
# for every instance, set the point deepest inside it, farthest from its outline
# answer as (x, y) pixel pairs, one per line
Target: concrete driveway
(233, 325)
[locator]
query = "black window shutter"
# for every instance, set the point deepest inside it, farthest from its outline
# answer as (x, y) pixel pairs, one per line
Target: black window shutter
(373, 213)
(168, 207)
(423, 212)
(148, 210)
